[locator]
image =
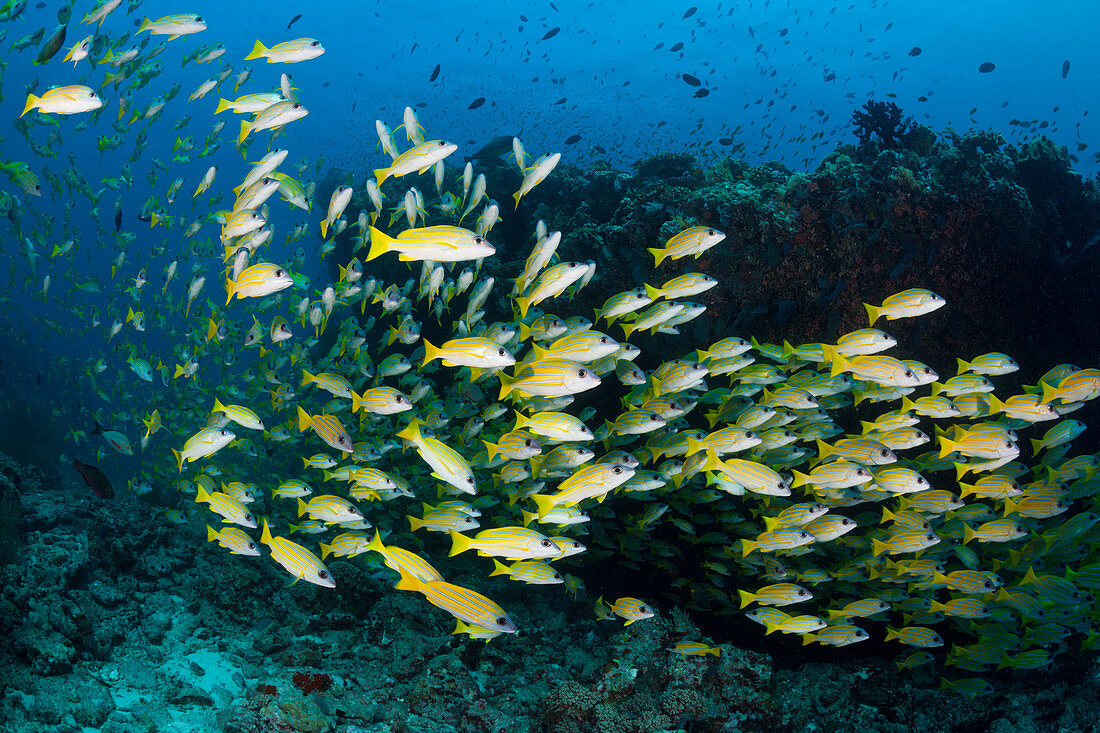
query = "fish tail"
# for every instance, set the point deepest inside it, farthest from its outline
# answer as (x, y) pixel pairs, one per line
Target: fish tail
(516, 196)
(211, 533)
(356, 401)
(1049, 393)
(872, 312)
(326, 550)
(492, 449)
(459, 543)
(246, 127)
(307, 378)
(878, 547)
(946, 446)
(380, 243)
(324, 223)
(505, 385)
(658, 255)
(375, 543)
(230, 289)
(409, 582)
(201, 497)
(223, 105)
(963, 365)
(303, 419)
(146, 24)
(499, 568)
(179, 459)
(265, 537)
(381, 174)
(544, 503)
(32, 101)
(746, 597)
(302, 507)
(414, 522)
(968, 533)
(652, 292)
(258, 50)
(411, 431)
(430, 352)
(524, 303)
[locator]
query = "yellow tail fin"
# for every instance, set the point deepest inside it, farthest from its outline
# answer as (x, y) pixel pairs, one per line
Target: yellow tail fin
(258, 50)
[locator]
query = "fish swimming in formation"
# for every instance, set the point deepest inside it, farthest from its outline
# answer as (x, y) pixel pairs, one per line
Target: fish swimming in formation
(701, 454)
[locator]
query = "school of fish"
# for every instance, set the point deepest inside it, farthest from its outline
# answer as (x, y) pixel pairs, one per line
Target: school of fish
(736, 468)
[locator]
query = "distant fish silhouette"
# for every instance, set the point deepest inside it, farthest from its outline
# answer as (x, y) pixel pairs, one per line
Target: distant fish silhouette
(96, 479)
(294, 20)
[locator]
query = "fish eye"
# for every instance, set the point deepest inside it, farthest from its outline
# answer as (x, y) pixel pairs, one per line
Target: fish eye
(315, 43)
(930, 537)
(342, 440)
(749, 435)
(501, 621)
(322, 574)
(885, 452)
(545, 543)
(908, 373)
(1008, 444)
(500, 352)
(921, 481)
(469, 479)
(251, 546)
(617, 470)
(527, 443)
(580, 373)
(801, 592)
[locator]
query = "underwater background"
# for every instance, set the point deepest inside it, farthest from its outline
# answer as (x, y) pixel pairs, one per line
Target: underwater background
(624, 448)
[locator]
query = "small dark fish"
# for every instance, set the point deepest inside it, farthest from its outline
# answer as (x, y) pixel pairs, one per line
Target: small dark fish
(118, 221)
(572, 139)
(560, 101)
(325, 84)
(523, 18)
(95, 479)
(294, 20)
(783, 32)
(691, 80)
(491, 151)
(476, 103)
(52, 46)
(145, 217)
(701, 92)
(987, 67)
(435, 73)
(39, 6)
(551, 33)
(915, 51)
(677, 47)
(1065, 68)
(690, 12)
(64, 14)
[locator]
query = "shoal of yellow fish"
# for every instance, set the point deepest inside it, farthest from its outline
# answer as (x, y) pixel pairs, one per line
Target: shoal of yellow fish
(728, 457)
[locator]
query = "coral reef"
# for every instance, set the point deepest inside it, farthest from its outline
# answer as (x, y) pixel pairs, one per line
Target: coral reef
(118, 623)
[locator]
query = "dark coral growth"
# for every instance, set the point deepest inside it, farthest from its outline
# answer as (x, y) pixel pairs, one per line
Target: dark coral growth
(308, 683)
(1006, 234)
(883, 121)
